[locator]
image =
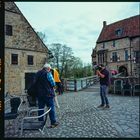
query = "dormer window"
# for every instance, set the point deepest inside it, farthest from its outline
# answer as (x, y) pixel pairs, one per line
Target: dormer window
(118, 32)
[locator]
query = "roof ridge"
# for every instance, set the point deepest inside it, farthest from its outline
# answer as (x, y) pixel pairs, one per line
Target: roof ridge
(124, 19)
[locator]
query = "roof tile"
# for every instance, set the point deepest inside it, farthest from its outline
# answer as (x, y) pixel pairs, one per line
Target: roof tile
(130, 28)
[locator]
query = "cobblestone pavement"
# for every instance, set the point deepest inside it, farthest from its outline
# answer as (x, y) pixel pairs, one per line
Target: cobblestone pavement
(79, 117)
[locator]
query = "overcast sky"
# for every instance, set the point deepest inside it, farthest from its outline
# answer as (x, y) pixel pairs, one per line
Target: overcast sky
(76, 24)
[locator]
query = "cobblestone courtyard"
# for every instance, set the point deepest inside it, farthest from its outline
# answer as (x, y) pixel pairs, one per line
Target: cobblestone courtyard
(79, 117)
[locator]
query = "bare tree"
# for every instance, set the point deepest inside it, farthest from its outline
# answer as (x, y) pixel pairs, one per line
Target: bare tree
(56, 49)
(66, 58)
(61, 57)
(67, 63)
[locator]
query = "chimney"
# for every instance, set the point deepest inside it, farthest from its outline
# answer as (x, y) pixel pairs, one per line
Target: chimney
(104, 23)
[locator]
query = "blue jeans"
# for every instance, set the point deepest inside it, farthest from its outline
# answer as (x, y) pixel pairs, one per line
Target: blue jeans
(49, 101)
(103, 94)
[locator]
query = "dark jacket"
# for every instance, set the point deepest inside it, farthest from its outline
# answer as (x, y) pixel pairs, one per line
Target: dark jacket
(105, 80)
(44, 86)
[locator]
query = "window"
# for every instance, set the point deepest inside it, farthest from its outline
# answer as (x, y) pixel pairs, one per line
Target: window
(30, 60)
(114, 56)
(118, 32)
(137, 56)
(8, 30)
(126, 55)
(14, 59)
(113, 44)
(101, 58)
(103, 45)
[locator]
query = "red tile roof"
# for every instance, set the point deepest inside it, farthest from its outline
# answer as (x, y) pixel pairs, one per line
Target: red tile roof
(130, 28)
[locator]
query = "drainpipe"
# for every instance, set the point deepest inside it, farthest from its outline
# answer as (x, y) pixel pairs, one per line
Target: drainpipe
(130, 58)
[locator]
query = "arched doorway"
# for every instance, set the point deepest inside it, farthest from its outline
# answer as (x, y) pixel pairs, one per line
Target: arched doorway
(123, 70)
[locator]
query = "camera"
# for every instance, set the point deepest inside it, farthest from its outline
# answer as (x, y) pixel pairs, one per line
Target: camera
(98, 67)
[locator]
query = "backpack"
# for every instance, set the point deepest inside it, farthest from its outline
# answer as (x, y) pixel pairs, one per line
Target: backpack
(32, 90)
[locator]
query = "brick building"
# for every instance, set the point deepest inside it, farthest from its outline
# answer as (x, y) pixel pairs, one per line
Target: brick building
(118, 46)
(25, 53)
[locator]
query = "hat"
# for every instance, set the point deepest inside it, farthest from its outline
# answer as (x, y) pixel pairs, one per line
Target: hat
(47, 66)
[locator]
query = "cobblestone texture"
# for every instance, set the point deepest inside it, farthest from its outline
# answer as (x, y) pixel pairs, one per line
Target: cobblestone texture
(79, 117)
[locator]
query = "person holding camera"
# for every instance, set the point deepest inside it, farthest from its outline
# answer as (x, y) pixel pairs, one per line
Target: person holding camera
(103, 73)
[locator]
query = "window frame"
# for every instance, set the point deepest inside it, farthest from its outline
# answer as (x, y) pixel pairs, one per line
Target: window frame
(119, 32)
(126, 57)
(114, 43)
(101, 58)
(8, 30)
(30, 60)
(137, 56)
(103, 45)
(14, 56)
(114, 57)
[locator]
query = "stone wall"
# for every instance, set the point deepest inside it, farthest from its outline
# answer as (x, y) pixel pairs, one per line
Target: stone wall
(23, 42)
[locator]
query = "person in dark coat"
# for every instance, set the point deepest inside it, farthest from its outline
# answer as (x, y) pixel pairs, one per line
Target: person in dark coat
(45, 87)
